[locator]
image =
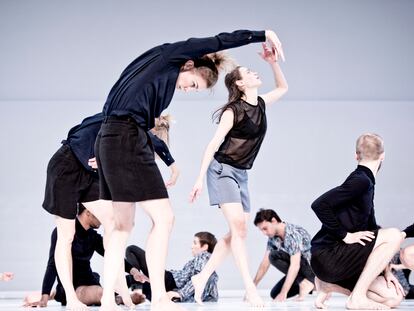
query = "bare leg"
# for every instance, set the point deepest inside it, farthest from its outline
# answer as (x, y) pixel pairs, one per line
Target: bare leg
(221, 251)
(63, 260)
(236, 219)
(124, 214)
(162, 218)
(89, 295)
(103, 210)
(379, 292)
(386, 245)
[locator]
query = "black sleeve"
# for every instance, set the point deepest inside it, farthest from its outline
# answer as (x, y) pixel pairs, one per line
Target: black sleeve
(409, 231)
(99, 246)
(51, 272)
(325, 206)
(197, 47)
(161, 149)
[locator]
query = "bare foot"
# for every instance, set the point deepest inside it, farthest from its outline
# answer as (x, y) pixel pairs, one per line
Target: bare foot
(76, 305)
(199, 285)
(110, 305)
(324, 292)
(305, 287)
(165, 304)
(253, 299)
(364, 303)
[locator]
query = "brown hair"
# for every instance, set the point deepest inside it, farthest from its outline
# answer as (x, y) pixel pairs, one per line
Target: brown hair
(235, 93)
(266, 215)
(369, 146)
(209, 66)
(207, 238)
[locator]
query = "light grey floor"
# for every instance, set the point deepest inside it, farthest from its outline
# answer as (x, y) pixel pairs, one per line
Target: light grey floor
(228, 301)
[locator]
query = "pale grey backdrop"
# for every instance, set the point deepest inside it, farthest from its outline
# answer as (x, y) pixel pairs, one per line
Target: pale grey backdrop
(349, 70)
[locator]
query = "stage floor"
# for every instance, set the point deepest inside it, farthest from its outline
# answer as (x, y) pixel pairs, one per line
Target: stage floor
(227, 302)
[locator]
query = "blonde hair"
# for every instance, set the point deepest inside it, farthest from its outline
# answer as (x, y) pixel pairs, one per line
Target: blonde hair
(369, 146)
(210, 65)
(162, 128)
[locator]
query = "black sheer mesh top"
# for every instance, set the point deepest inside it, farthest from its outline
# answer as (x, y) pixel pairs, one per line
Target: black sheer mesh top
(242, 143)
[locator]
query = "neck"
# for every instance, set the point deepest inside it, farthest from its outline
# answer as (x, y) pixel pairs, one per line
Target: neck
(372, 165)
(84, 222)
(250, 95)
(281, 230)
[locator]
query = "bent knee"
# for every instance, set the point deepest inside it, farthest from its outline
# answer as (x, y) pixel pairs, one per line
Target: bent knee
(391, 235)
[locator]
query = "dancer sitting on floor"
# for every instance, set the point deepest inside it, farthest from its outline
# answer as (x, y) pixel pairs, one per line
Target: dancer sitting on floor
(177, 282)
(350, 252)
(85, 282)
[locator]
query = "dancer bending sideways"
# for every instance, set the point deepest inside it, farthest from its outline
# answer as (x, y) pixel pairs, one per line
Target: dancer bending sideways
(350, 252)
(228, 156)
(127, 171)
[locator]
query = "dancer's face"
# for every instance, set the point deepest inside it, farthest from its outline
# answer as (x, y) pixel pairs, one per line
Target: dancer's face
(196, 248)
(249, 78)
(267, 228)
(190, 80)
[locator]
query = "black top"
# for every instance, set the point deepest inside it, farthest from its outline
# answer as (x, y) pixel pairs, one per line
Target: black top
(347, 208)
(242, 143)
(146, 87)
(85, 243)
(409, 231)
(81, 139)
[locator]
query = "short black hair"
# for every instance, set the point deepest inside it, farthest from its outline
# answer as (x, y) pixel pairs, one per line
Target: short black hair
(266, 215)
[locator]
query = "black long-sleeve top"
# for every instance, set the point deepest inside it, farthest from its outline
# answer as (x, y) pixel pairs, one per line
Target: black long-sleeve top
(346, 208)
(409, 231)
(85, 244)
(146, 87)
(81, 139)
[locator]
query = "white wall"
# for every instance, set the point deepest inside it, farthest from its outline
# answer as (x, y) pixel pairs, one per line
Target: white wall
(349, 67)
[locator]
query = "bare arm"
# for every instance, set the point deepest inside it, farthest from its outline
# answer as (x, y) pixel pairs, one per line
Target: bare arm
(290, 276)
(264, 266)
(226, 123)
(281, 86)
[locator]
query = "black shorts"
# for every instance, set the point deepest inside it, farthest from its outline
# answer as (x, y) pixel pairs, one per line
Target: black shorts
(126, 163)
(342, 263)
(67, 184)
(87, 279)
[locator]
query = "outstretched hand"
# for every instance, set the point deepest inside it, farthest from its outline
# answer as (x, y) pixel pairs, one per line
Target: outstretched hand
(274, 44)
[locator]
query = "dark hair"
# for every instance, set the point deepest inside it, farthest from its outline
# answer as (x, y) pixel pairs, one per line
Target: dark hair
(266, 215)
(235, 93)
(207, 238)
(209, 66)
(81, 208)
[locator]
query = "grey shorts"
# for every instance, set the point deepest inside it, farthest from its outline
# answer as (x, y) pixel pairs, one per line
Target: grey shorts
(227, 184)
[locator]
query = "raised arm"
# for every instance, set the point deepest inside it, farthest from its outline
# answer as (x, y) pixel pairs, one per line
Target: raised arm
(281, 86)
(226, 123)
